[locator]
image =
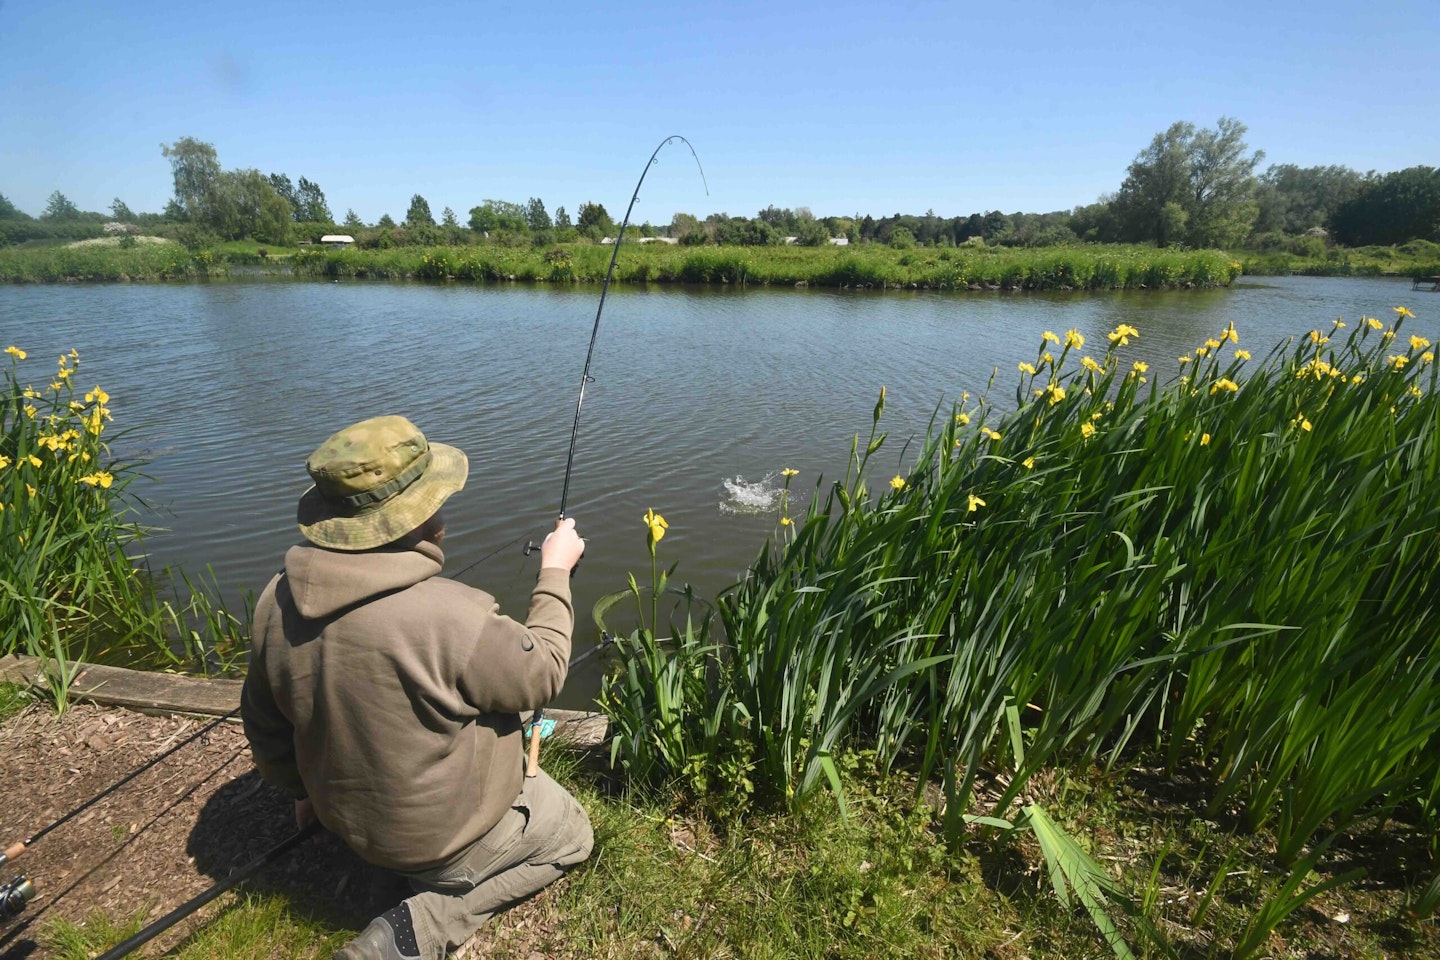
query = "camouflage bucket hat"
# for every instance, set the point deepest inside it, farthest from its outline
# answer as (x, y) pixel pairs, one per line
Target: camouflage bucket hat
(375, 482)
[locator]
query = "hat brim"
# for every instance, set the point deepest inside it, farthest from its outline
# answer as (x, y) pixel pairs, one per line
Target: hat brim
(326, 525)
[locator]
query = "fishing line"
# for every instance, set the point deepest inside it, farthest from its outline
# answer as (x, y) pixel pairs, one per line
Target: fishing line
(585, 377)
(14, 850)
(195, 903)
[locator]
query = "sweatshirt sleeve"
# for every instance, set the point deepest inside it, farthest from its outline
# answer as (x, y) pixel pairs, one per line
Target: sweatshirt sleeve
(271, 735)
(522, 666)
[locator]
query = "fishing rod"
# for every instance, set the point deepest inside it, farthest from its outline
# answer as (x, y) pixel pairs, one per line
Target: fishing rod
(585, 378)
(295, 839)
(198, 901)
(539, 726)
(16, 893)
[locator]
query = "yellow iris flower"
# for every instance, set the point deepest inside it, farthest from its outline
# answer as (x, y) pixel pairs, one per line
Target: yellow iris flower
(16, 352)
(655, 524)
(1074, 338)
(1402, 311)
(975, 504)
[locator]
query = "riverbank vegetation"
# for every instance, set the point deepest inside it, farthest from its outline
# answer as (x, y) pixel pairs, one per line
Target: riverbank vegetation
(1220, 573)
(1191, 188)
(1079, 268)
(881, 881)
(1162, 642)
(68, 587)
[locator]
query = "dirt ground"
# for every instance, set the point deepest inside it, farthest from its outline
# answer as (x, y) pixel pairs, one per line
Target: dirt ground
(167, 835)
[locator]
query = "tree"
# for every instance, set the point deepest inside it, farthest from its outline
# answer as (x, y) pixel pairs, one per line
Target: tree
(1192, 186)
(8, 210)
(385, 222)
(1395, 208)
(121, 212)
(59, 207)
(592, 219)
(562, 219)
(310, 203)
(683, 223)
(283, 186)
(247, 204)
(196, 170)
(535, 216)
(497, 215)
(353, 221)
(1295, 199)
(447, 219)
(419, 213)
(810, 232)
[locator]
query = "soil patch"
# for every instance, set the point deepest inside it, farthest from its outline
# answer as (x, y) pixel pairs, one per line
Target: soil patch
(164, 837)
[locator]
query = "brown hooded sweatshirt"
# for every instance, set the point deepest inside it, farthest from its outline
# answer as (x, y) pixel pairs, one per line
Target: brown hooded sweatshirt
(391, 696)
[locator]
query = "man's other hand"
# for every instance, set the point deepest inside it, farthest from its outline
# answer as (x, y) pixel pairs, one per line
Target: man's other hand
(563, 547)
(304, 813)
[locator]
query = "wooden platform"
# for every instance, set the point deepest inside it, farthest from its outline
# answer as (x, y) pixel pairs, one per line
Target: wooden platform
(1420, 283)
(169, 693)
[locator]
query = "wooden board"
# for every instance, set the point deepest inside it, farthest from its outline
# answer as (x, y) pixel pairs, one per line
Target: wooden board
(167, 693)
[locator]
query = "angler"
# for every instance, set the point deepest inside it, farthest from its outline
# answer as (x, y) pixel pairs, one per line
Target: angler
(386, 698)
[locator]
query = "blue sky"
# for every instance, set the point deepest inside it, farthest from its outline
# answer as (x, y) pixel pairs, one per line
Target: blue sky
(841, 107)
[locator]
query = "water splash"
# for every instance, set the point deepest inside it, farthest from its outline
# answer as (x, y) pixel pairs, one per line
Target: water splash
(751, 497)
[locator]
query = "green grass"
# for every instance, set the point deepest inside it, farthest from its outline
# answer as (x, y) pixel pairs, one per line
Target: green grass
(862, 267)
(882, 882)
(57, 264)
(13, 699)
(871, 266)
(1416, 258)
(1229, 563)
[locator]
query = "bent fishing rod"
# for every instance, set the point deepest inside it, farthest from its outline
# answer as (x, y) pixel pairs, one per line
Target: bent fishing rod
(585, 378)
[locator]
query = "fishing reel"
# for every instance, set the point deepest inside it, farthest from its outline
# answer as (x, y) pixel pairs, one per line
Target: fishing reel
(13, 897)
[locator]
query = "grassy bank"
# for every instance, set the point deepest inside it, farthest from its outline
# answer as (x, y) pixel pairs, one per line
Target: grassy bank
(1077, 268)
(881, 882)
(107, 263)
(1414, 259)
(1227, 566)
(1056, 268)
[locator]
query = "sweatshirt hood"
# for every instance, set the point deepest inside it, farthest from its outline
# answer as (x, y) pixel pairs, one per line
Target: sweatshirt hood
(324, 582)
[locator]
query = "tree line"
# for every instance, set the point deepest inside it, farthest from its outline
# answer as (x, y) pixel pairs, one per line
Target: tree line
(1190, 187)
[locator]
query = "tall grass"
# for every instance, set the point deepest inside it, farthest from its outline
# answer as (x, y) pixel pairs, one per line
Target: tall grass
(67, 585)
(107, 263)
(1074, 268)
(1234, 570)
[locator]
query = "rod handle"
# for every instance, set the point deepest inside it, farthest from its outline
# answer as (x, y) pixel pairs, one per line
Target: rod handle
(12, 851)
(532, 762)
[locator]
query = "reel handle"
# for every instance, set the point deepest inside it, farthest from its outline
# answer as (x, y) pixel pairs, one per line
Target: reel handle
(532, 547)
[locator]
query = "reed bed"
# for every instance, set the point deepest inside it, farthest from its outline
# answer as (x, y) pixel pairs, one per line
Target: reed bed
(91, 264)
(68, 588)
(1072, 268)
(1232, 571)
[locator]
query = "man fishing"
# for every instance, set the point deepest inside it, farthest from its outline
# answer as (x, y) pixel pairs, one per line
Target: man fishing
(387, 699)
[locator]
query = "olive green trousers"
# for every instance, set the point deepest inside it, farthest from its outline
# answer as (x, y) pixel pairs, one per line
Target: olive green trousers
(543, 834)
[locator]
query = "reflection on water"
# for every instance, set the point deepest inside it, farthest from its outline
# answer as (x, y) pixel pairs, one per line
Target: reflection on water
(701, 396)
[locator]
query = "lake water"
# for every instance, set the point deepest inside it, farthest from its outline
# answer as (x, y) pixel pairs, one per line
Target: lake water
(701, 396)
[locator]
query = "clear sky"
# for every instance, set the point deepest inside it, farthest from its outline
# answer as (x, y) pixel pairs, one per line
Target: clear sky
(838, 106)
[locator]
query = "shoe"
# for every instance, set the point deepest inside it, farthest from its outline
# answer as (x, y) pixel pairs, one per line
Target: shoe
(390, 936)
